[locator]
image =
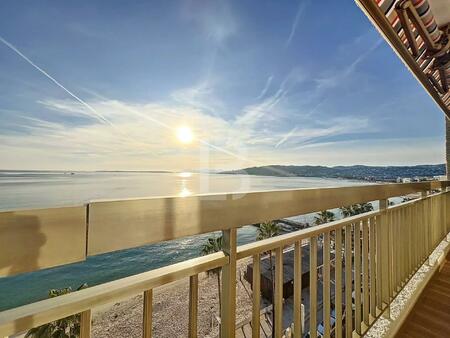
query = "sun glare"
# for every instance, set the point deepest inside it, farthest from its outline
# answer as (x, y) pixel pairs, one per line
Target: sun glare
(185, 135)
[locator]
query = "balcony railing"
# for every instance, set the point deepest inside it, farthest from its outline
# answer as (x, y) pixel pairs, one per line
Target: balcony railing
(368, 258)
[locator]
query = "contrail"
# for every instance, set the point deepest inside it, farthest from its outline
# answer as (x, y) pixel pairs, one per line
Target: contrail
(165, 125)
(97, 115)
(286, 137)
(172, 129)
(51, 78)
(100, 116)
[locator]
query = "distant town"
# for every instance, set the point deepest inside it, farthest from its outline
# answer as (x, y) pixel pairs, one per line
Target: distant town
(400, 174)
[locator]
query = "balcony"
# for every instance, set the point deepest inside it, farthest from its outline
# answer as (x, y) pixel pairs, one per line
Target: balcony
(367, 260)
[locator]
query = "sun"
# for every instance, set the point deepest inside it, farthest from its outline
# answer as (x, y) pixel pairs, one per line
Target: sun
(185, 135)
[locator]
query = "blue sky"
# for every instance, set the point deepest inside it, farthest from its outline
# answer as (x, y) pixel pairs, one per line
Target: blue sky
(106, 85)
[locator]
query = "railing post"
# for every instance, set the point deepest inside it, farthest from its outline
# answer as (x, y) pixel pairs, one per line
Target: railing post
(228, 315)
(278, 298)
(447, 215)
(298, 290)
(85, 324)
(256, 285)
(385, 257)
(426, 218)
(193, 305)
(148, 314)
(313, 286)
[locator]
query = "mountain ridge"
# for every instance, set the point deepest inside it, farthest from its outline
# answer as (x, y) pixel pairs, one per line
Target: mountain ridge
(359, 172)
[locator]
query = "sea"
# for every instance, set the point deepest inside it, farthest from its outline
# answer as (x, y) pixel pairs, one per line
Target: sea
(44, 189)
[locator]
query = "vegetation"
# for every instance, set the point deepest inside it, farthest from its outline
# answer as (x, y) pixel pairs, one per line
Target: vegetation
(324, 217)
(356, 209)
(268, 230)
(68, 327)
(212, 245)
(360, 172)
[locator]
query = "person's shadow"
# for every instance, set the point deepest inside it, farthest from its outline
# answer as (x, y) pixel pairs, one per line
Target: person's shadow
(20, 243)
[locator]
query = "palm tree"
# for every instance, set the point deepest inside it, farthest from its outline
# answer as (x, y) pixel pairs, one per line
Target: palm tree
(356, 209)
(324, 217)
(268, 230)
(347, 211)
(214, 244)
(365, 207)
(68, 327)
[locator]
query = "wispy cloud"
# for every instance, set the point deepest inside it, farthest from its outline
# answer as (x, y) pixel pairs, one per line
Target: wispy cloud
(346, 125)
(266, 87)
(215, 19)
(127, 134)
(200, 96)
(301, 8)
(264, 108)
(56, 82)
(336, 77)
(286, 137)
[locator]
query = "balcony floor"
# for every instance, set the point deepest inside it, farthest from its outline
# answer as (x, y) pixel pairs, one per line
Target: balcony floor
(430, 316)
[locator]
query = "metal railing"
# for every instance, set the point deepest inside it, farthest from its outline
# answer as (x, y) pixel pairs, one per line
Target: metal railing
(367, 259)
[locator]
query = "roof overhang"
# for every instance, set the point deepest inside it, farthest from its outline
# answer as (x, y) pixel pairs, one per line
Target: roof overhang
(426, 56)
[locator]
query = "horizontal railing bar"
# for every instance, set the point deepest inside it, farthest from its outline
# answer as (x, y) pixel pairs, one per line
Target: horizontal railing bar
(32, 315)
(117, 225)
(414, 201)
(292, 237)
(176, 217)
(37, 239)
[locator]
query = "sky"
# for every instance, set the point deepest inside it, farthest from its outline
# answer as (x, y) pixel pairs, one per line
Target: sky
(107, 85)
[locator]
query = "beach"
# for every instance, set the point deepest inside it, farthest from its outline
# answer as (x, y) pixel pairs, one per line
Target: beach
(171, 305)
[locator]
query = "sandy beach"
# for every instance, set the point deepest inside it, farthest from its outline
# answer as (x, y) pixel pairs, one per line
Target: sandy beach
(170, 310)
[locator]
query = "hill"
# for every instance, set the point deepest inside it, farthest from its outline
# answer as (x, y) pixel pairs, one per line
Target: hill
(359, 172)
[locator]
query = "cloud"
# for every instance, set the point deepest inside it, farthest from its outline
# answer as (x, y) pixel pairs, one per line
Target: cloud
(51, 78)
(214, 18)
(336, 77)
(301, 8)
(199, 96)
(264, 108)
(266, 87)
(286, 137)
(144, 144)
(331, 128)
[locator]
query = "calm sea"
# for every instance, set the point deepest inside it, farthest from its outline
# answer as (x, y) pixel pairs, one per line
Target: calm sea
(31, 189)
